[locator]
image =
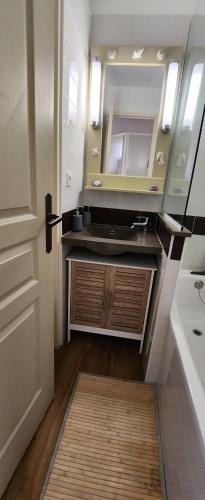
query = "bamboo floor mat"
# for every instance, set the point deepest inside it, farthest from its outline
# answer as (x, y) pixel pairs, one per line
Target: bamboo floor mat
(108, 447)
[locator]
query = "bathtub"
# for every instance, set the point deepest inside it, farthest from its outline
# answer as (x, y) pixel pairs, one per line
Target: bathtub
(181, 394)
(187, 314)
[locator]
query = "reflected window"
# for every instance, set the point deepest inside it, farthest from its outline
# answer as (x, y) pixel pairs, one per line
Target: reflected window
(131, 141)
(193, 94)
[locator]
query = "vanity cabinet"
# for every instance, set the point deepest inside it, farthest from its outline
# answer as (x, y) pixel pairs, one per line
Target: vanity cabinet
(89, 294)
(109, 296)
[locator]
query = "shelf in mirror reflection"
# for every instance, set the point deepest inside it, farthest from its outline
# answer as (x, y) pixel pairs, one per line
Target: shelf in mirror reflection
(144, 185)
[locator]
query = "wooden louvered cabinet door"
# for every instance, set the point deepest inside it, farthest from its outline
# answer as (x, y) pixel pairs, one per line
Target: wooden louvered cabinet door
(127, 299)
(89, 294)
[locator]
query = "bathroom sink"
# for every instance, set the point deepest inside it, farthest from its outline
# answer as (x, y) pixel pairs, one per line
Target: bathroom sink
(111, 232)
(107, 239)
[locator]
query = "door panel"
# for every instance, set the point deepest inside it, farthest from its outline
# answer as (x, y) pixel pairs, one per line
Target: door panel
(27, 50)
(22, 381)
(14, 136)
(89, 292)
(16, 266)
(128, 293)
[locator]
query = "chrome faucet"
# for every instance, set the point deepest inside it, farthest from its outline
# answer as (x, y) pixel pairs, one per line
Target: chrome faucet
(140, 224)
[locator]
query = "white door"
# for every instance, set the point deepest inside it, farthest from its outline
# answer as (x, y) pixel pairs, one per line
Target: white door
(26, 175)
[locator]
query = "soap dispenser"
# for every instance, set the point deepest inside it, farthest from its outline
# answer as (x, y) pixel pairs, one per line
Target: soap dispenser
(77, 220)
(86, 216)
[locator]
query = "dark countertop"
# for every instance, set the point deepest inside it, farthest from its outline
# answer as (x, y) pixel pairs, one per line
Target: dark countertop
(142, 242)
(171, 225)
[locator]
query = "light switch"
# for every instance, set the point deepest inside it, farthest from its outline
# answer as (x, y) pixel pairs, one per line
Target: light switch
(68, 178)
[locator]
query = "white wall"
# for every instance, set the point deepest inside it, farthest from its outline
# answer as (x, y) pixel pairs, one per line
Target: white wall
(75, 49)
(139, 100)
(146, 7)
(139, 29)
(76, 27)
(128, 201)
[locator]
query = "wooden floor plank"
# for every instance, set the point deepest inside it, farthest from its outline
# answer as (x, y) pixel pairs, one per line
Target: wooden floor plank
(102, 457)
(120, 469)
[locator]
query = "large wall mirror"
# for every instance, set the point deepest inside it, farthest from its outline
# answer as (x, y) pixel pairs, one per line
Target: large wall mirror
(132, 100)
(133, 93)
(189, 123)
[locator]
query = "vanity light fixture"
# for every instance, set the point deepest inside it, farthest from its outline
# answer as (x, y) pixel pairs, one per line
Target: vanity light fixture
(170, 96)
(112, 54)
(193, 94)
(137, 54)
(161, 159)
(181, 160)
(161, 55)
(95, 152)
(95, 92)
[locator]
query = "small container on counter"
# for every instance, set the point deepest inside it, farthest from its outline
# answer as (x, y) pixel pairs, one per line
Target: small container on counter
(77, 221)
(86, 216)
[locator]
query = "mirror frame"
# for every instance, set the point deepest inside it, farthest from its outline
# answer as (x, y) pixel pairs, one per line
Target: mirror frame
(94, 179)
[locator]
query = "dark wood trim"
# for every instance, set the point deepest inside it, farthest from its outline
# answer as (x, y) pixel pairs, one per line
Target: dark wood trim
(195, 224)
(199, 226)
(185, 233)
(177, 248)
(164, 236)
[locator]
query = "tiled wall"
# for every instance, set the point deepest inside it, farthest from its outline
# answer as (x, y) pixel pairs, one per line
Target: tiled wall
(191, 251)
(194, 251)
(194, 248)
(157, 335)
(188, 253)
(196, 205)
(193, 257)
(112, 216)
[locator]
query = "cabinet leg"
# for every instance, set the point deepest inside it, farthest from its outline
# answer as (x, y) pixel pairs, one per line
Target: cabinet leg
(141, 346)
(68, 334)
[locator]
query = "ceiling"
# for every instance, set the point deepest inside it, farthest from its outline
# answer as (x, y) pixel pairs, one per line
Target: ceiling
(145, 7)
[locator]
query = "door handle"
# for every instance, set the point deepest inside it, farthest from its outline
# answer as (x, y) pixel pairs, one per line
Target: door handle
(51, 221)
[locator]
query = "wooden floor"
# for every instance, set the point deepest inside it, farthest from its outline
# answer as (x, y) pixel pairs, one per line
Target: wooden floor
(108, 448)
(86, 352)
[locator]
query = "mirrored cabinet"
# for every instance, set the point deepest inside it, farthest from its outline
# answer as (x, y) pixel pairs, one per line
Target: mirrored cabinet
(132, 100)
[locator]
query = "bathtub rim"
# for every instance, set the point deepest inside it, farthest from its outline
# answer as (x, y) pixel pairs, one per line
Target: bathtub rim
(194, 383)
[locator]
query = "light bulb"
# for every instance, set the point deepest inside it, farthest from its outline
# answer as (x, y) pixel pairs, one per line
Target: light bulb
(170, 96)
(95, 92)
(193, 95)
